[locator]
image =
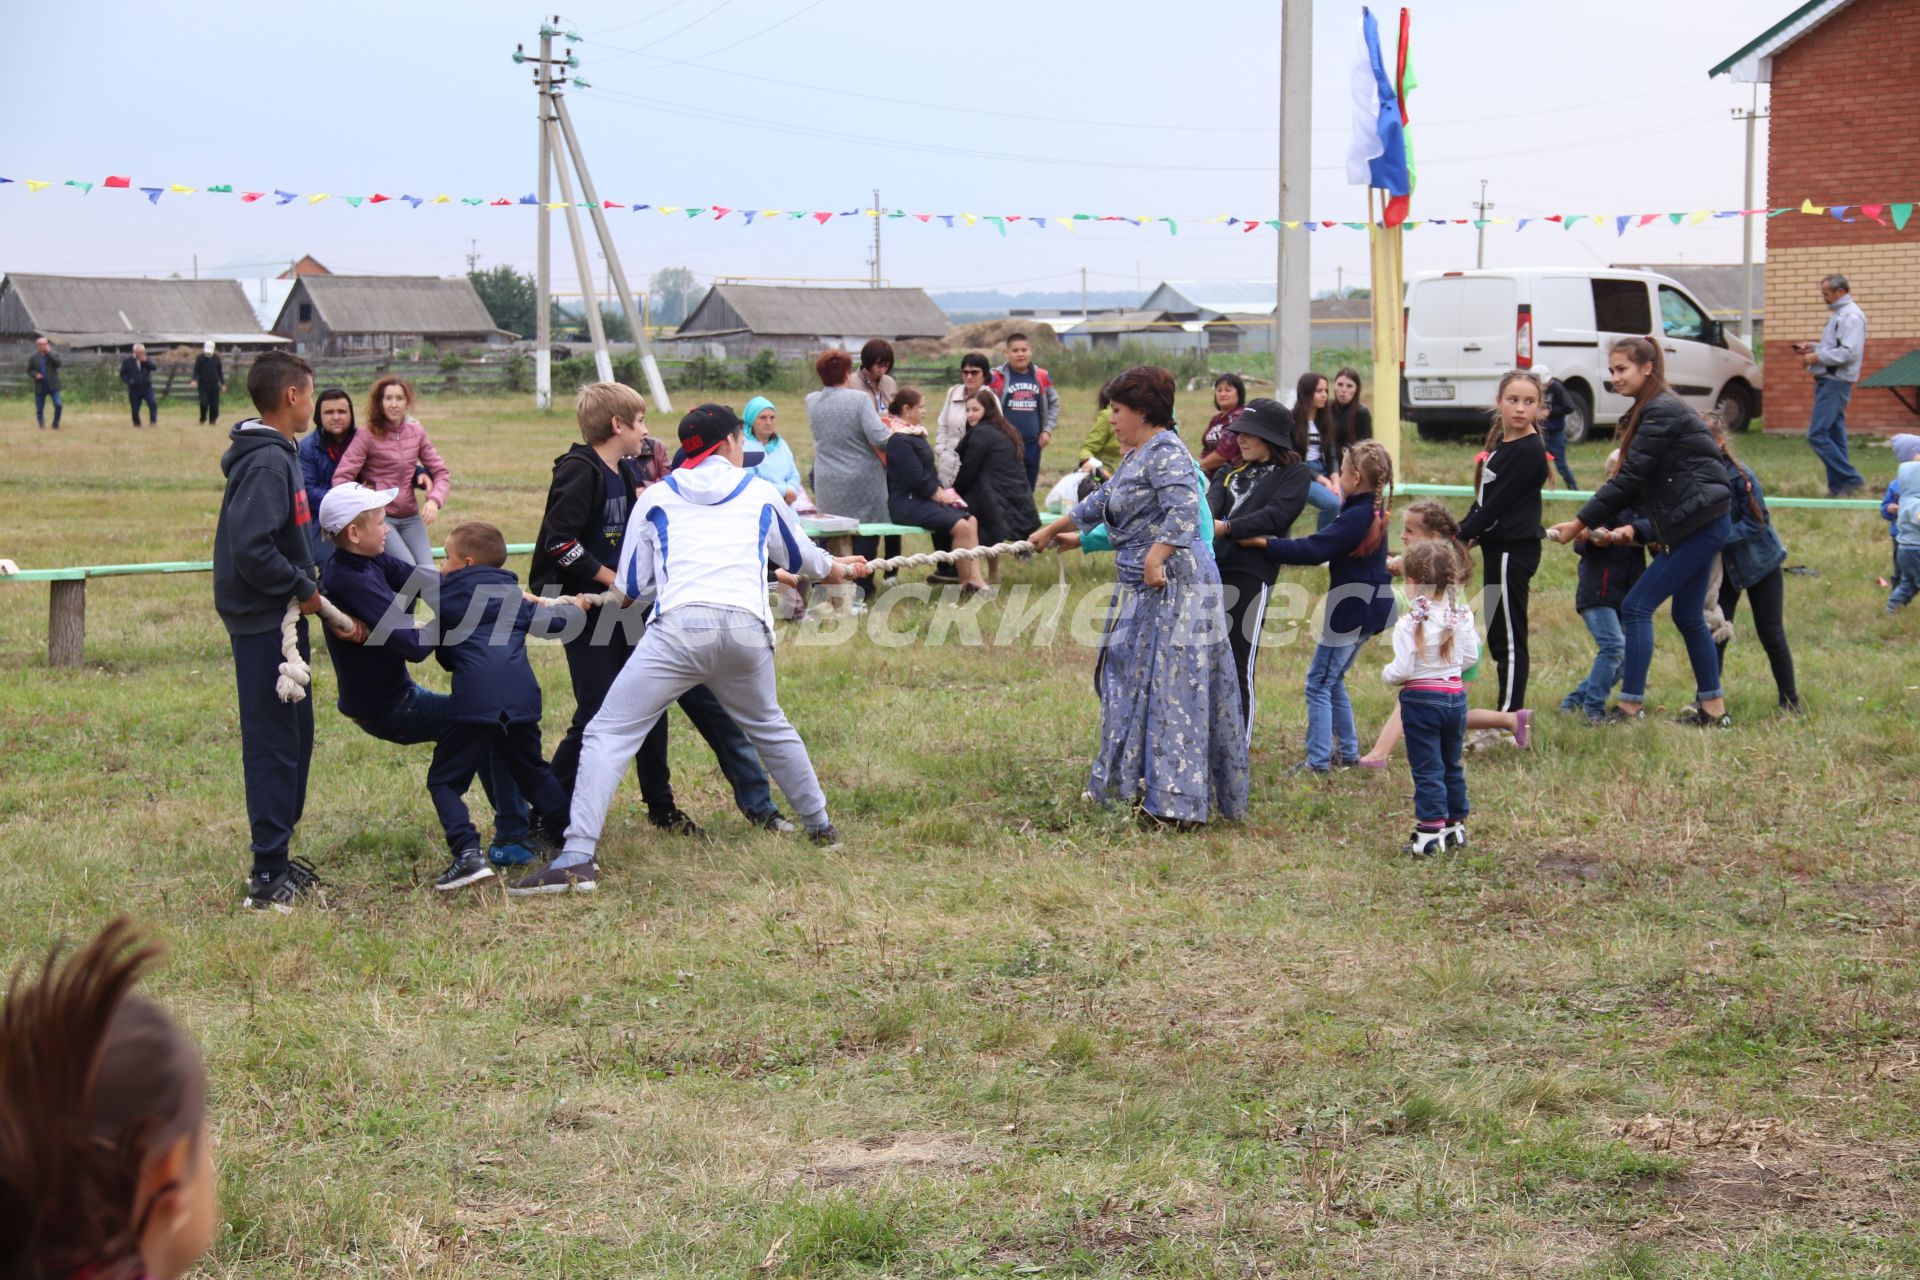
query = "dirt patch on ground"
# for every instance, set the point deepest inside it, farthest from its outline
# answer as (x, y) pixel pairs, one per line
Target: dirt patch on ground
(1577, 867)
(869, 1160)
(1746, 1188)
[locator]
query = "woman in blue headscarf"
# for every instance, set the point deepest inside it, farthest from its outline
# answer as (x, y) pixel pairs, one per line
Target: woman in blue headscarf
(778, 467)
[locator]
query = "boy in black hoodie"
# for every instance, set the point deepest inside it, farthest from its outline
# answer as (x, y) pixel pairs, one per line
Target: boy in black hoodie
(593, 490)
(263, 557)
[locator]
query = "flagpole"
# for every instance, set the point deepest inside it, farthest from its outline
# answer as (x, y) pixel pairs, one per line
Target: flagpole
(1384, 253)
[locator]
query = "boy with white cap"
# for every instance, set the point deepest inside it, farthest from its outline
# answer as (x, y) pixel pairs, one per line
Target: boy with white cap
(377, 690)
(697, 547)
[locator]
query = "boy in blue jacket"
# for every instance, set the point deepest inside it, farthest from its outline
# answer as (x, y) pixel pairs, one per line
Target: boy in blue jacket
(377, 690)
(483, 624)
(1611, 561)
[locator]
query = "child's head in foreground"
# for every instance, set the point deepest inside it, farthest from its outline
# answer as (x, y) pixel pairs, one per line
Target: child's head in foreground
(475, 542)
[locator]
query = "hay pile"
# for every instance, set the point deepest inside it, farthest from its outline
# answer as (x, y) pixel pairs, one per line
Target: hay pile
(990, 336)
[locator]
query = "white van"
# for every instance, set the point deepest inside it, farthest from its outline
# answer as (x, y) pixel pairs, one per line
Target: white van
(1464, 329)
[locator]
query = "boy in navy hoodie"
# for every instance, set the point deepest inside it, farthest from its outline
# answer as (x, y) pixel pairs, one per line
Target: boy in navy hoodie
(483, 624)
(377, 690)
(262, 558)
(1611, 561)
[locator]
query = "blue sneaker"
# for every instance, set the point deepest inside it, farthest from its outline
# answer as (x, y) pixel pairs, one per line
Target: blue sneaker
(509, 855)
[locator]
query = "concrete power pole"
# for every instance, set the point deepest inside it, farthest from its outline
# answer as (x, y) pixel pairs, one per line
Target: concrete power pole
(1293, 279)
(1480, 241)
(876, 238)
(543, 270)
(1750, 115)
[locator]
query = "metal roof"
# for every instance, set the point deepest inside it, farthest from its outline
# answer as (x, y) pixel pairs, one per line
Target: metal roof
(101, 311)
(1244, 297)
(1904, 372)
(774, 310)
(425, 305)
(1753, 61)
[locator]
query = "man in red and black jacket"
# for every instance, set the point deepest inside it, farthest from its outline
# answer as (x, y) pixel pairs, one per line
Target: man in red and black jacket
(588, 503)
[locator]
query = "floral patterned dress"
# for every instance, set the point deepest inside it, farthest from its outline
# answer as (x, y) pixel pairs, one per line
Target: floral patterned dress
(1171, 736)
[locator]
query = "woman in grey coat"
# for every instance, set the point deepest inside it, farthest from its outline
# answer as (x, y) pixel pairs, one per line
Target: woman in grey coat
(849, 478)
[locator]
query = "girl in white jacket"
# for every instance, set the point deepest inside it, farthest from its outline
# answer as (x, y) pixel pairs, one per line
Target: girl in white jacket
(1433, 642)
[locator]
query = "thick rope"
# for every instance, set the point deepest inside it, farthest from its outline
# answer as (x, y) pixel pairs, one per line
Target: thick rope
(920, 560)
(295, 675)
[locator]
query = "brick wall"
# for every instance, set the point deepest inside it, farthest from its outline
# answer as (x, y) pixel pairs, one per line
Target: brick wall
(1832, 138)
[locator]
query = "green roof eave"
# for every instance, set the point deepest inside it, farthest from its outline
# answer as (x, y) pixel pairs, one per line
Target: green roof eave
(1726, 64)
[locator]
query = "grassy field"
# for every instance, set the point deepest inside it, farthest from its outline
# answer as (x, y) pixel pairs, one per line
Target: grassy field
(1660, 1021)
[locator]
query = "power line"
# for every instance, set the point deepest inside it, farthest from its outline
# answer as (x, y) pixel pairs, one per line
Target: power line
(646, 18)
(671, 34)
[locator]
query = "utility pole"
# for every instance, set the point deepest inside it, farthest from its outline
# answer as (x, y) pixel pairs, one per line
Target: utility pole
(543, 270)
(1083, 293)
(1480, 244)
(879, 215)
(1750, 115)
(1293, 272)
(1339, 282)
(473, 255)
(559, 143)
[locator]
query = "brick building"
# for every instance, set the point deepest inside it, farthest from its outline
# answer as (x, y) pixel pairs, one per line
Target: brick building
(1834, 137)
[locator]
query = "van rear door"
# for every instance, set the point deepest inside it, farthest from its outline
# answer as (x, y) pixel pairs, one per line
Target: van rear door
(1460, 339)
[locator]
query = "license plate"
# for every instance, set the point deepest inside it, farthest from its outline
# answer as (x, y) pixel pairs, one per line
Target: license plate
(1432, 391)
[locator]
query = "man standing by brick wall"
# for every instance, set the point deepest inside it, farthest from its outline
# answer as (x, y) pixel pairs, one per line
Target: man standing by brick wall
(1834, 362)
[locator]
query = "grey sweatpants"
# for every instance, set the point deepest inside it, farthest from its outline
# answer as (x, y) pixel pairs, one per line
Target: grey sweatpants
(731, 652)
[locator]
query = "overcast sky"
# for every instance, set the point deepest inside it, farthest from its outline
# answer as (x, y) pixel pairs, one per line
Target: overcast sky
(1071, 106)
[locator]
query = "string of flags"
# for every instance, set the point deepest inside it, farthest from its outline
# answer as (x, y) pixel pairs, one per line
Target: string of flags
(1885, 213)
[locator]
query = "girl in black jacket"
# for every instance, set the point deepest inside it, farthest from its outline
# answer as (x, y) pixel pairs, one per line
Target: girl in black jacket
(1753, 562)
(1261, 497)
(1672, 472)
(1504, 522)
(993, 475)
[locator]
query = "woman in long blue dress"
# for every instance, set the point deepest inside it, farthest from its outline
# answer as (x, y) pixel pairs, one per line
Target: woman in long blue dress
(1171, 737)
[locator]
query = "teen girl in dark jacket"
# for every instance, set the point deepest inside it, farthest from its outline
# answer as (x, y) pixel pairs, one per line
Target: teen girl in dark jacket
(1672, 472)
(1260, 497)
(1752, 562)
(1504, 522)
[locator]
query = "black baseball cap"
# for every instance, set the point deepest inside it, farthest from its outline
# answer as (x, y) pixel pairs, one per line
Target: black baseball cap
(705, 428)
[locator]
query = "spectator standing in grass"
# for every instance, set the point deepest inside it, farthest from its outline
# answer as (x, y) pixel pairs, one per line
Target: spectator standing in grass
(44, 368)
(320, 453)
(386, 455)
(849, 441)
(209, 380)
(1029, 400)
(1834, 362)
(1560, 403)
(136, 371)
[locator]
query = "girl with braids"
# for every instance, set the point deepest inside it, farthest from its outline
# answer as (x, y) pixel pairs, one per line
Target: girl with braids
(1359, 598)
(1672, 472)
(1752, 563)
(1433, 641)
(1504, 522)
(106, 1165)
(1428, 520)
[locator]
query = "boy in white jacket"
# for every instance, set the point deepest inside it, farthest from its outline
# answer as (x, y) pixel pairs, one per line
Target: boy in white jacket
(697, 547)
(1433, 642)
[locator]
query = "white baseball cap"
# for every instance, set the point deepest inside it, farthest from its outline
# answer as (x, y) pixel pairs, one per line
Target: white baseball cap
(344, 504)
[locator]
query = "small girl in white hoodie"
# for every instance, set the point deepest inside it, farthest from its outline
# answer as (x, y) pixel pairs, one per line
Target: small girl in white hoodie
(1433, 642)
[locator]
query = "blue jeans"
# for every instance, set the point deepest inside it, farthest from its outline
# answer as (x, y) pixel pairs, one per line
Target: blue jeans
(1610, 648)
(423, 716)
(1827, 433)
(1325, 503)
(1681, 573)
(1329, 714)
(40, 397)
(1555, 435)
(1906, 562)
(1435, 726)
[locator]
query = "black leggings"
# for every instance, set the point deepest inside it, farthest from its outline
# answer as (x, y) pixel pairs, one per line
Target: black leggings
(1246, 611)
(1509, 568)
(1768, 597)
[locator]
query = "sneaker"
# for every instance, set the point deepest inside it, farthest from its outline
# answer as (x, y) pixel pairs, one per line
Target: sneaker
(510, 854)
(1522, 728)
(1792, 707)
(1616, 715)
(1425, 842)
(1454, 835)
(677, 821)
(279, 890)
(581, 877)
(1704, 720)
(778, 823)
(468, 866)
(943, 578)
(827, 837)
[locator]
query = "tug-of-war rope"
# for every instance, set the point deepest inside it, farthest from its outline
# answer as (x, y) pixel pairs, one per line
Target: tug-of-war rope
(296, 674)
